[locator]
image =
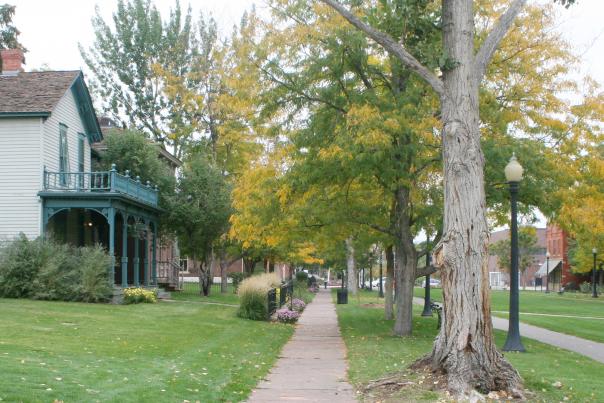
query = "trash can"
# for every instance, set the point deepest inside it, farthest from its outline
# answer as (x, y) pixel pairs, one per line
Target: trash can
(342, 296)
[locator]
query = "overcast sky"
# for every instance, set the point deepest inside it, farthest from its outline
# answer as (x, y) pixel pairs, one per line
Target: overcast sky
(51, 29)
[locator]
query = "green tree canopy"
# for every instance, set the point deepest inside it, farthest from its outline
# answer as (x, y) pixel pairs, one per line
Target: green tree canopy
(199, 211)
(8, 32)
(131, 150)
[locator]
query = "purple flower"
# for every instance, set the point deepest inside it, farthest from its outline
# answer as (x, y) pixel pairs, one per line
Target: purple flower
(284, 315)
(298, 305)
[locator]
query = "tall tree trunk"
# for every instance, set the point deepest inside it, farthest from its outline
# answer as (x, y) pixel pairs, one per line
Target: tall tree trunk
(248, 265)
(351, 274)
(465, 348)
(406, 260)
(224, 280)
(388, 291)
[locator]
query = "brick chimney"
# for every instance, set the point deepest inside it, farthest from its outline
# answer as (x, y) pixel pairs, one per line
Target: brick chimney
(12, 61)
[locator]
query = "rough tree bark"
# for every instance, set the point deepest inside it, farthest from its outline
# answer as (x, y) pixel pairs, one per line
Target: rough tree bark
(464, 349)
(389, 289)
(351, 275)
(204, 277)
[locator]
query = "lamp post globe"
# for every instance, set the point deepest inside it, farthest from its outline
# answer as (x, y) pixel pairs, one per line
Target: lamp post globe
(513, 174)
(594, 290)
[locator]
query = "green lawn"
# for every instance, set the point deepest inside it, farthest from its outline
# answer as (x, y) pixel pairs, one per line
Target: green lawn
(190, 292)
(169, 351)
(582, 307)
(373, 353)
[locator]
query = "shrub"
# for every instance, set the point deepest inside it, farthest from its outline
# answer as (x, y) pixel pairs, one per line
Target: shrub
(301, 277)
(46, 270)
(96, 284)
(20, 262)
(237, 279)
(284, 315)
(136, 295)
(58, 278)
(253, 299)
(298, 305)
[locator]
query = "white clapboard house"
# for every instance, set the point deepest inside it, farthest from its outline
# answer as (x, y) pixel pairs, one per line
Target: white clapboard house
(47, 187)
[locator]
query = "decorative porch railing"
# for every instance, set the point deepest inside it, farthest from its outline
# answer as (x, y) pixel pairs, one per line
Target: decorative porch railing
(104, 181)
(169, 275)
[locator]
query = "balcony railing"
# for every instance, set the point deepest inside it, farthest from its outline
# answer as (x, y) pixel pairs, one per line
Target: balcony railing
(104, 181)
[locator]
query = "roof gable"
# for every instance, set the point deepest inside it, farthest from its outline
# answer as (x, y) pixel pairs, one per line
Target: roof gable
(36, 94)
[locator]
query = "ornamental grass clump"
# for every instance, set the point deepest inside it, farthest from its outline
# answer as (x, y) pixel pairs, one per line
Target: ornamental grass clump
(298, 305)
(253, 301)
(284, 315)
(137, 295)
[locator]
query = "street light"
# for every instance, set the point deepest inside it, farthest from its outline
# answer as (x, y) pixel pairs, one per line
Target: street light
(594, 291)
(547, 272)
(513, 174)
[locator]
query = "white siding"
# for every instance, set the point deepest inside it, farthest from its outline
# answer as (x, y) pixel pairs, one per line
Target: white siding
(20, 177)
(66, 112)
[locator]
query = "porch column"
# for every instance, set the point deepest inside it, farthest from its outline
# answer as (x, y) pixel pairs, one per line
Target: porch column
(136, 265)
(125, 251)
(154, 255)
(146, 258)
(111, 221)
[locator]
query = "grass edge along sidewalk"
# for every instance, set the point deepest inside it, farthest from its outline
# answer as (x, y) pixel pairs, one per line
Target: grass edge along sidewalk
(572, 314)
(65, 351)
(550, 374)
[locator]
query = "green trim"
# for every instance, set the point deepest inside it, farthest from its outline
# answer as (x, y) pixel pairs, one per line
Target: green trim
(24, 114)
(86, 109)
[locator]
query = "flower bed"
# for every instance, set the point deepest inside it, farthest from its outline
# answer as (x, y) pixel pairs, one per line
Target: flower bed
(137, 295)
(285, 315)
(298, 305)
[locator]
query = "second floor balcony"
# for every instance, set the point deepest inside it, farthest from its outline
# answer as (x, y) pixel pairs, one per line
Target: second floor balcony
(101, 182)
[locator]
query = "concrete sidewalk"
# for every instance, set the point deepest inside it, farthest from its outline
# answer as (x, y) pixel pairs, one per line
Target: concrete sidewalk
(312, 366)
(588, 348)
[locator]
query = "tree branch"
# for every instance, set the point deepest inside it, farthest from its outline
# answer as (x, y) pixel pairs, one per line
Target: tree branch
(502, 26)
(424, 271)
(391, 46)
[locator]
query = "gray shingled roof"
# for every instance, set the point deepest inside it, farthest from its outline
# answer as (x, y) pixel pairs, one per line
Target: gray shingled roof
(34, 91)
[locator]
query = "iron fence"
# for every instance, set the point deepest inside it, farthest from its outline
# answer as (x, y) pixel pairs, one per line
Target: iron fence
(285, 295)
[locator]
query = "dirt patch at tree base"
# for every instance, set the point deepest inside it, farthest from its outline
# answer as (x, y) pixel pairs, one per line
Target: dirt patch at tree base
(419, 383)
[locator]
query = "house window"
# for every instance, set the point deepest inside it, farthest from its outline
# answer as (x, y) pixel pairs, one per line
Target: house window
(63, 154)
(81, 147)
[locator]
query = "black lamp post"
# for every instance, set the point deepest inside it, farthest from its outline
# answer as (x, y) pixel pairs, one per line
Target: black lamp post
(427, 307)
(547, 272)
(594, 291)
(513, 174)
(381, 294)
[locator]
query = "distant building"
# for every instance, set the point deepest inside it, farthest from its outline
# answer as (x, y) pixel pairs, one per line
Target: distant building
(501, 279)
(557, 271)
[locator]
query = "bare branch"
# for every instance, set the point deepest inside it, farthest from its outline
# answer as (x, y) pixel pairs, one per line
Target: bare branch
(391, 46)
(424, 271)
(502, 26)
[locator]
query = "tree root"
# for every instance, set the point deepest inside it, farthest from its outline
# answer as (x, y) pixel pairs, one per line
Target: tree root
(465, 387)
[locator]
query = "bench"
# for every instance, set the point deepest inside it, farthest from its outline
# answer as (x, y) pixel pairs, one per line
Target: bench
(439, 309)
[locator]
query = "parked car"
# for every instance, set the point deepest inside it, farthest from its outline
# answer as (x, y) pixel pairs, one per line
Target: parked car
(376, 283)
(434, 282)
